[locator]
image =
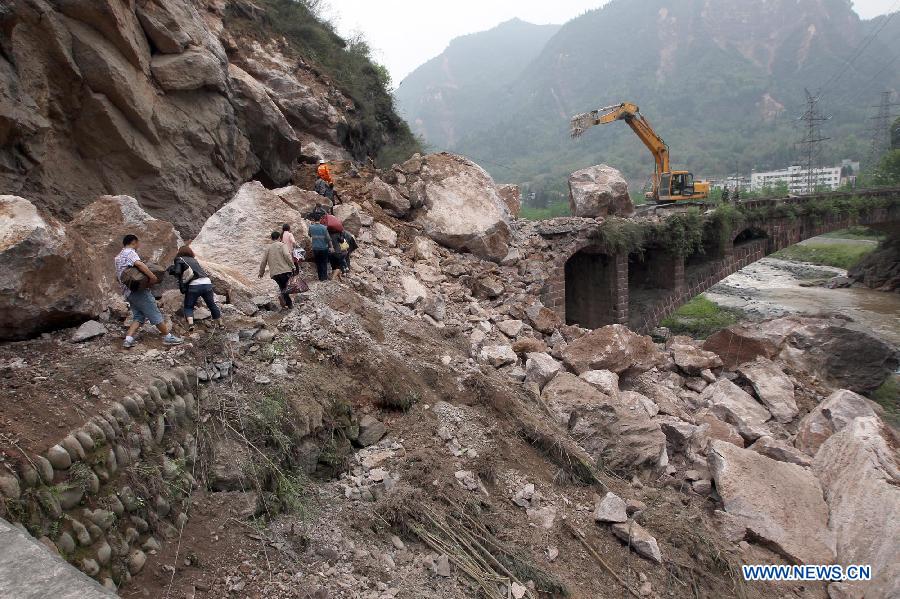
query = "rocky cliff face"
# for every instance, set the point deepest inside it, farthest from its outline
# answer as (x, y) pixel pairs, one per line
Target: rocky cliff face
(174, 102)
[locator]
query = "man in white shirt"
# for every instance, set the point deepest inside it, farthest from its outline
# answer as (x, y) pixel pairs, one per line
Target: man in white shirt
(141, 301)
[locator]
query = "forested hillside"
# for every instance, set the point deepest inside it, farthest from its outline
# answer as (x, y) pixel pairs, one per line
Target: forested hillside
(445, 97)
(721, 80)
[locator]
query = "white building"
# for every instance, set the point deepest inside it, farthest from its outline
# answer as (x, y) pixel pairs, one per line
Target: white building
(799, 181)
(732, 182)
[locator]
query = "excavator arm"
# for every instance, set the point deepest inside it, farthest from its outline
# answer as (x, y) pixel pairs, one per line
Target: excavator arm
(629, 113)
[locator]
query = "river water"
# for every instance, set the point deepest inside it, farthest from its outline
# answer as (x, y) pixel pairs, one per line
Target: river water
(772, 287)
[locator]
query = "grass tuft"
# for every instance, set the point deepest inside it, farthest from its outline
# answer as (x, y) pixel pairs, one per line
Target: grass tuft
(700, 318)
(839, 255)
(888, 397)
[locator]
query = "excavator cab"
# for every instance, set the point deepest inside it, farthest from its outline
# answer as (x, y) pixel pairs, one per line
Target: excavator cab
(679, 185)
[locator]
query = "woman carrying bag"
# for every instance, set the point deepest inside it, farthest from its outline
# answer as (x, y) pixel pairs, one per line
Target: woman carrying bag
(194, 283)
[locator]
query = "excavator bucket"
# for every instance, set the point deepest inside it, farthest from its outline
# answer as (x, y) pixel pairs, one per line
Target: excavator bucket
(581, 122)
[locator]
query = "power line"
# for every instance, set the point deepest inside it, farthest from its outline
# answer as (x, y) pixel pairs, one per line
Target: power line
(875, 78)
(859, 50)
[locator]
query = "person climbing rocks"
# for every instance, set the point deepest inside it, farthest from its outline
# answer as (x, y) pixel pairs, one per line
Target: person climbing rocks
(324, 174)
(351, 246)
(321, 246)
(140, 299)
(324, 182)
(281, 266)
(194, 283)
(339, 255)
(298, 254)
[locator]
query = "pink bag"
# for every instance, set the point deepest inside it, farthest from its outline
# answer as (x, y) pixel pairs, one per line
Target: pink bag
(296, 284)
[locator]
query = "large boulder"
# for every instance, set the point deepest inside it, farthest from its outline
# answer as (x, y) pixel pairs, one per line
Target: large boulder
(106, 221)
(615, 348)
(47, 277)
(540, 368)
(773, 387)
(692, 359)
(460, 206)
(780, 503)
(834, 413)
(859, 470)
(607, 428)
(827, 348)
(236, 236)
(349, 214)
(880, 269)
(734, 405)
(512, 197)
(845, 356)
(388, 198)
(744, 343)
(599, 190)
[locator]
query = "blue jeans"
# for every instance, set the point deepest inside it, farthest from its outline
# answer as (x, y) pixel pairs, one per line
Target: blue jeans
(143, 307)
(195, 292)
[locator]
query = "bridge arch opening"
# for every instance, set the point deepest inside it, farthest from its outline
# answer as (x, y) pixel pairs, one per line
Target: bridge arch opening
(749, 235)
(592, 289)
(705, 259)
(652, 276)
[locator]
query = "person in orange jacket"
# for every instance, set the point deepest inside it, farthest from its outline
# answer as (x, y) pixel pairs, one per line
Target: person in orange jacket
(324, 183)
(324, 174)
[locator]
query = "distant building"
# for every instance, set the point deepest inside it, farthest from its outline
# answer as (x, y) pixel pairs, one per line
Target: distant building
(799, 181)
(732, 182)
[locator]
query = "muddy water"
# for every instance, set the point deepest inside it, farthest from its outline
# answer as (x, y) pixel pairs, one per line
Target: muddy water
(773, 287)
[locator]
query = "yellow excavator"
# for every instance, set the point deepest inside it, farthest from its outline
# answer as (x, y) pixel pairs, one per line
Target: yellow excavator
(668, 186)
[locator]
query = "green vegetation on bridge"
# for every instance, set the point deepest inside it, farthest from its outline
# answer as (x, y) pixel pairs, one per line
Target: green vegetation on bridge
(691, 231)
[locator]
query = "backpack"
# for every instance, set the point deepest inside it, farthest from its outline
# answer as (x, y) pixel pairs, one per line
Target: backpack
(319, 235)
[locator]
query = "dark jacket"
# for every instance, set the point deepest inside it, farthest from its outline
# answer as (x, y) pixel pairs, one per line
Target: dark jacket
(180, 265)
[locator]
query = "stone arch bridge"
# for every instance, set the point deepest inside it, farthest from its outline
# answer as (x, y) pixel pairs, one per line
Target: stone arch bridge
(592, 287)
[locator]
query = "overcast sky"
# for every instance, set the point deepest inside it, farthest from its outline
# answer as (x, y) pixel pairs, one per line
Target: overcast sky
(406, 33)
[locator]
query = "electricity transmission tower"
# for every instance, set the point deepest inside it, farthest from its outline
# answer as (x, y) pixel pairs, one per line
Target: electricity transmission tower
(881, 128)
(809, 145)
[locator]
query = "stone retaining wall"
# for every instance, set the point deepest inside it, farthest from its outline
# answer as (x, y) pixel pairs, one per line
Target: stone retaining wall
(116, 488)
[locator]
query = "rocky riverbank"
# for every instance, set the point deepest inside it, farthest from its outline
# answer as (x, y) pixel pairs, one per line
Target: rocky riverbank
(772, 288)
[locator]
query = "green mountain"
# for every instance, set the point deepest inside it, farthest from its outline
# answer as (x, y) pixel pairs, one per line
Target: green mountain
(722, 81)
(445, 97)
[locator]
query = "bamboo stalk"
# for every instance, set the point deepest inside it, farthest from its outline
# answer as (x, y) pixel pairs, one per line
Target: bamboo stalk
(580, 536)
